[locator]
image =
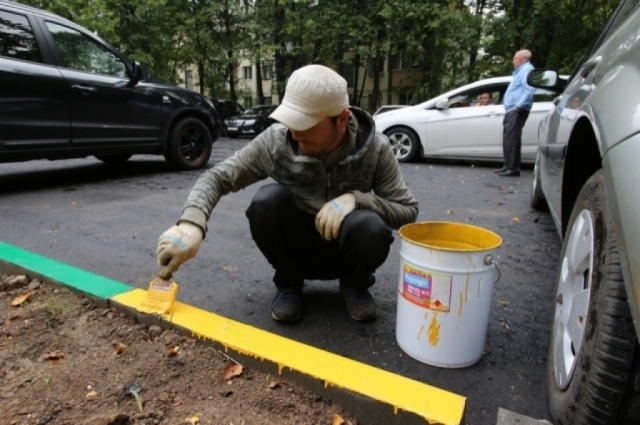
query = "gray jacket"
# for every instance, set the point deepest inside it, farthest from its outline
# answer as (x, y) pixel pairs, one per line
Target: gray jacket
(364, 165)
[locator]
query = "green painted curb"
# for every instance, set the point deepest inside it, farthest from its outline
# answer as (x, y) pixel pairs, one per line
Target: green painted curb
(82, 280)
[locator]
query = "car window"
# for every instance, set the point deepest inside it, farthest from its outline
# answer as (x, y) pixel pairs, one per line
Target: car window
(472, 97)
(16, 38)
(543, 95)
(84, 54)
(623, 13)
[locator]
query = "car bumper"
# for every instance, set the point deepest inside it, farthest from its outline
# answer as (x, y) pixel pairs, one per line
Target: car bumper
(241, 131)
(623, 194)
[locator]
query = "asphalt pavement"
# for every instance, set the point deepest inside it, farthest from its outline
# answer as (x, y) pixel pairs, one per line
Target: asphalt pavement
(107, 220)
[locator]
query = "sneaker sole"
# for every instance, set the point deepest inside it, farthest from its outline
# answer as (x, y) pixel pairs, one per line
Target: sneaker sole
(279, 319)
(363, 319)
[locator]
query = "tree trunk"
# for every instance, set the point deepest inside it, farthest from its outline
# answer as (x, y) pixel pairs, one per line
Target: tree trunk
(259, 91)
(356, 72)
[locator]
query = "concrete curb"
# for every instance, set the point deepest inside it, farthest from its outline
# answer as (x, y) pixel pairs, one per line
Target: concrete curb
(373, 395)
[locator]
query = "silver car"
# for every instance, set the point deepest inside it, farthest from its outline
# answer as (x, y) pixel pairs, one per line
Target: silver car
(587, 175)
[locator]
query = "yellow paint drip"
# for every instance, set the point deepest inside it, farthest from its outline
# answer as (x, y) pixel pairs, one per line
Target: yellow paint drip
(434, 331)
(435, 405)
(479, 284)
(466, 289)
(460, 309)
(420, 332)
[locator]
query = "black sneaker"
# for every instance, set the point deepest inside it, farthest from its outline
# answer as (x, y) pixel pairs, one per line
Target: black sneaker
(360, 303)
(286, 306)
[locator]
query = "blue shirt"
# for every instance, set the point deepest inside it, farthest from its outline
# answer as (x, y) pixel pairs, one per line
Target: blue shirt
(519, 93)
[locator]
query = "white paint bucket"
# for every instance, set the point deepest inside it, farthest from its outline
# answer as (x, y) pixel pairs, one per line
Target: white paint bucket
(444, 292)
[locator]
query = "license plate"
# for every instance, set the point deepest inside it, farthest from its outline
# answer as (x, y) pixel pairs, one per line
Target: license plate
(232, 128)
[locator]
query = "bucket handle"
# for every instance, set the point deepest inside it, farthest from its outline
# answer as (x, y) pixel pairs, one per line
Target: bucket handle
(488, 260)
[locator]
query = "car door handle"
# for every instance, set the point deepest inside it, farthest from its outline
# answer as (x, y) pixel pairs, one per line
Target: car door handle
(589, 66)
(84, 89)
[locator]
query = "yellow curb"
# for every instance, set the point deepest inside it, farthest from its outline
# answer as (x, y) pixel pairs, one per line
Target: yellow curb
(435, 405)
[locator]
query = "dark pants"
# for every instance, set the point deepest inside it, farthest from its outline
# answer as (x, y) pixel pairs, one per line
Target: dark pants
(288, 238)
(512, 138)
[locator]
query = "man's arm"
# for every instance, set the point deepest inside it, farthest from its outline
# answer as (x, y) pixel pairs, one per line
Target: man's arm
(525, 100)
(247, 166)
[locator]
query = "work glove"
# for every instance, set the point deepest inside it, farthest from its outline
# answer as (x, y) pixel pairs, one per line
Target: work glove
(177, 245)
(329, 218)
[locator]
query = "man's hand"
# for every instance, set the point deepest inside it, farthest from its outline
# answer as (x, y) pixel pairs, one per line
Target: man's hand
(177, 245)
(329, 218)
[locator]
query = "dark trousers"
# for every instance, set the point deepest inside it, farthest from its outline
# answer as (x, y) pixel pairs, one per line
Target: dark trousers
(512, 138)
(288, 238)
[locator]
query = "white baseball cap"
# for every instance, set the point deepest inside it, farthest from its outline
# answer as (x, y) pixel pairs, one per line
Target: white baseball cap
(313, 93)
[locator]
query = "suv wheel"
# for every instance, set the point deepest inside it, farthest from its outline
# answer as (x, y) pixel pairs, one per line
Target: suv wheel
(404, 144)
(590, 366)
(537, 199)
(190, 145)
(114, 159)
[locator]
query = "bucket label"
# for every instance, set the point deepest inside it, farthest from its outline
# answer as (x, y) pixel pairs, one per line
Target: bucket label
(425, 289)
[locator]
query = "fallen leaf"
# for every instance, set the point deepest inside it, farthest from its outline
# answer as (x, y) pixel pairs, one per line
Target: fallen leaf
(506, 326)
(173, 351)
(91, 394)
(515, 219)
(21, 299)
(14, 316)
(74, 203)
(53, 357)
(229, 269)
(231, 370)
(192, 420)
(504, 302)
(337, 420)
(449, 211)
(118, 347)
(274, 384)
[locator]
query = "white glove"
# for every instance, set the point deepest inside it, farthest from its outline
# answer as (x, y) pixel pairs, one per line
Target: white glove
(329, 218)
(177, 245)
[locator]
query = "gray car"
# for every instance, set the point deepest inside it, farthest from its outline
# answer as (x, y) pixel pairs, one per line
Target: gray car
(587, 175)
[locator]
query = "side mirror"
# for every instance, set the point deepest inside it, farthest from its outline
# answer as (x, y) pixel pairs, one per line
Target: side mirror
(546, 79)
(442, 104)
(137, 74)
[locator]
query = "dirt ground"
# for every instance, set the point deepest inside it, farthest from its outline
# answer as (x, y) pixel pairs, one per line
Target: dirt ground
(65, 360)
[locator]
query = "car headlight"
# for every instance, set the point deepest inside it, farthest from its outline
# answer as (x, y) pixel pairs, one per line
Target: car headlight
(249, 122)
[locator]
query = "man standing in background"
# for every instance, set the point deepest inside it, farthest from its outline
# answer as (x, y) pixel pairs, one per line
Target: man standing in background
(517, 104)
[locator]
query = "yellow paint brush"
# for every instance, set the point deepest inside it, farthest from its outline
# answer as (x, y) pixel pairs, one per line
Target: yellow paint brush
(160, 297)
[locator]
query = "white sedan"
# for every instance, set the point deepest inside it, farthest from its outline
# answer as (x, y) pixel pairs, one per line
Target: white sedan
(452, 126)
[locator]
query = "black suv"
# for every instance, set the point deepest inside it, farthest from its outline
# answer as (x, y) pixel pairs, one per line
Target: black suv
(66, 93)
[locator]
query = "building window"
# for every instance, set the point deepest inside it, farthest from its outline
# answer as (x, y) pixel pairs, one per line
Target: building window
(266, 68)
(346, 71)
(399, 63)
(248, 102)
(246, 73)
(188, 79)
(404, 98)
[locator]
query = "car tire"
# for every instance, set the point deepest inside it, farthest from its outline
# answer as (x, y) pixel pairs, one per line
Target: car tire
(537, 200)
(190, 144)
(593, 351)
(114, 159)
(404, 143)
